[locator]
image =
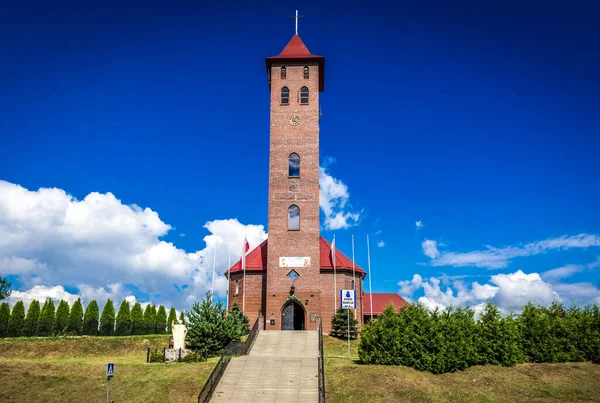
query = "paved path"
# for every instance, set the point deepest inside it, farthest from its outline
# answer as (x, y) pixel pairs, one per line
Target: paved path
(281, 367)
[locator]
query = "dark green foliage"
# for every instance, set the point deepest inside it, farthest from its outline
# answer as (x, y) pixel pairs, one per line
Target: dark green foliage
(46, 320)
(62, 318)
(4, 318)
(17, 317)
(161, 320)
(182, 318)
(107, 319)
(172, 318)
(149, 319)
(156, 355)
(137, 319)
(74, 327)
(498, 338)
(339, 324)
(123, 327)
(4, 288)
(31, 320)
(90, 319)
(236, 323)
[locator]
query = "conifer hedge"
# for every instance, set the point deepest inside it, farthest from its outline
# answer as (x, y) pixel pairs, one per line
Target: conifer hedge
(4, 318)
(75, 325)
(107, 319)
(90, 320)
(123, 327)
(62, 318)
(161, 320)
(17, 317)
(45, 325)
(31, 320)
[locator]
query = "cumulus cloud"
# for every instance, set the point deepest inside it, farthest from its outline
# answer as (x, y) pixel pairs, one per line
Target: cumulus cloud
(42, 293)
(101, 246)
(418, 224)
(380, 244)
(430, 249)
(568, 270)
(333, 200)
(498, 258)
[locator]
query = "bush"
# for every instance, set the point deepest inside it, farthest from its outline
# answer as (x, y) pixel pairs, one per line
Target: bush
(237, 323)
(17, 317)
(46, 320)
(149, 319)
(107, 320)
(31, 320)
(339, 324)
(4, 318)
(62, 318)
(156, 355)
(123, 327)
(161, 320)
(75, 325)
(172, 318)
(90, 320)
(137, 319)
(497, 338)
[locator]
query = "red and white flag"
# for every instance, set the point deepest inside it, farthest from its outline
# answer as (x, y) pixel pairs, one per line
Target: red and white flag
(245, 249)
(333, 252)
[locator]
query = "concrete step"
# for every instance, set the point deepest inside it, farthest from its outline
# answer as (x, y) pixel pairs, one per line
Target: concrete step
(286, 343)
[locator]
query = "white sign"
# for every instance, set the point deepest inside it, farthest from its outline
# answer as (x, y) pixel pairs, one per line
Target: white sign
(348, 299)
(110, 370)
(294, 261)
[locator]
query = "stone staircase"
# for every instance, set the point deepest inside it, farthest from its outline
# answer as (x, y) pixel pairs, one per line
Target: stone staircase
(281, 367)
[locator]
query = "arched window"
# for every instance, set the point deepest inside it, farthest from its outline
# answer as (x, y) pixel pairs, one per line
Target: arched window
(306, 73)
(294, 165)
(285, 96)
(304, 96)
(283, 73)
(293, 218)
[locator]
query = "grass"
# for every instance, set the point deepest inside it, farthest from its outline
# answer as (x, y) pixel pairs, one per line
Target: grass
(349, 381)
(74, 370)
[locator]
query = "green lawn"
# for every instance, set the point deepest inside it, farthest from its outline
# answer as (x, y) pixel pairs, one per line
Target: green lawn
(74, 369)
(349, 381)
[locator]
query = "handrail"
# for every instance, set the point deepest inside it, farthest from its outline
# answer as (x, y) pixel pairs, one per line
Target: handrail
(251, 337)
(321, 364)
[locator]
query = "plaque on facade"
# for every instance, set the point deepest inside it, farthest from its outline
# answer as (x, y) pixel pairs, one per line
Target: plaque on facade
(313, 317)
(294, 261)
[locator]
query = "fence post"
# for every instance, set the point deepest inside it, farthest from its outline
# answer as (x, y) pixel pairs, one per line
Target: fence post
(164, 354)
(179, 354)
(148, 355)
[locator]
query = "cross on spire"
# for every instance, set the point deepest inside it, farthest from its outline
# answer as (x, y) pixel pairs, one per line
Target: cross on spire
(296, 17)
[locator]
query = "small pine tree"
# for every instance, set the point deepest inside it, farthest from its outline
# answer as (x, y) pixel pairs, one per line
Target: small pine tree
(123, 320)
(149, 319)
(172, 318)
(17, 317)
(236, 323)
(90, 320)
(107, 320)
(4, 318)
(74, 327)
(46, 319)
(207, 326)
(182, 318)
(62, 318)
(31, 320)
(161, 320)
(339, 324)
(137, 319)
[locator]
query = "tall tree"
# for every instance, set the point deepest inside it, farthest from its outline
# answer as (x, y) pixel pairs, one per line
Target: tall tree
(340, 322)
(90, 320)
(4, 288)
(172, 318)
(4, 318)
(182, 318)
(137, 319)
(15, 323)
(46, 320)
(149, 319)
(107, 320)
(62, 318)
(75, 324)
(161, 320)
(31, 320)
(123, 320)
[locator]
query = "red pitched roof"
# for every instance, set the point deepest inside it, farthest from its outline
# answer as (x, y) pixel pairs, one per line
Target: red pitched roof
(380, 301)
(295, 48)
(256, 260)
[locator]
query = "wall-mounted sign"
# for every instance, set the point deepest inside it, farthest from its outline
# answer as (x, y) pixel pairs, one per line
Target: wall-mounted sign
(348, 299)
(294, 261)
(313, 317)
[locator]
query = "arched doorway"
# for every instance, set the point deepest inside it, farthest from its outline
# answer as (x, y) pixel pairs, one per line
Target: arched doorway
(292, 316)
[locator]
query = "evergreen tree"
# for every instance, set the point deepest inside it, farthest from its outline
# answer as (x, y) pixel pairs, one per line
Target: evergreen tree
(149, 319)
(182, 318)
(4, 318)
(46, 320)
(90, 320)
(236, 323)
(4, 288)
(339, 324)
(31, 320)
(123, 320)
(62, 318)
(161, 320)
(137, 319)
(74, 327)
(107, 320)
(497, 340)
(172, 318)
(15, 323)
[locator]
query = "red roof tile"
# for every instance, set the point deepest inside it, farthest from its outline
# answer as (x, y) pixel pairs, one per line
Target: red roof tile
(341, 261)
(255, 260)
(380, 301)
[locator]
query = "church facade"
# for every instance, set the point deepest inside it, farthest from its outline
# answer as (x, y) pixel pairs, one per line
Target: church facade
(290, 279)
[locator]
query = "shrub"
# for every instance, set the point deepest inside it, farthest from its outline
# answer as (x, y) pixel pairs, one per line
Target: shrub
(497, 339)
(15, 323)
(123, 320)
(172, 318)
(149, 319)
(107, 319)
(155, 355)
(75, 325)
(137, 319)
(236, 323)
(161, 320)
(90, 320)
(339, 324)
(62, 318)
(4, 318)
(182, 317)
(31, 320)
(46, 320)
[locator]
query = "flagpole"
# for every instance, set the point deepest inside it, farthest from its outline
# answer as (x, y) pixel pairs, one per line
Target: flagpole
(353, 273)
(228, 278)
(244, 270)
(370, 289)
(335, 291)
(212, 288)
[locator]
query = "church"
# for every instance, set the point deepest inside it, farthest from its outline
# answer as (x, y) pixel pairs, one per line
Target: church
(295, 276)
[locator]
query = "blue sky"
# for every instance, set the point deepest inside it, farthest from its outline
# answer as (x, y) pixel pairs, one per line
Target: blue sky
(480, 121)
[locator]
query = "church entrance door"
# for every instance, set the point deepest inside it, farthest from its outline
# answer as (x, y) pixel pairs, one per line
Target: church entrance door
(292, 316)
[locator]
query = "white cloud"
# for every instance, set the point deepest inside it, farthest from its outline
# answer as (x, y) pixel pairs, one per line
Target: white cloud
(497, 258)
(380, 244)
(568, 270)
(100, 245)
(518, 288)
(333, 200)
(408, 287)
(41, 293)
(430, 249)
(418, 224)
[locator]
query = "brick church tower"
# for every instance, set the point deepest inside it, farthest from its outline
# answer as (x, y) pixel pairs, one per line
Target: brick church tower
(289, 279)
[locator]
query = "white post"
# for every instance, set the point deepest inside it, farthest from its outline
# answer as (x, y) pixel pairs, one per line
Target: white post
(349, 329)
(228, 279)
(335, 290)
(353, 273)
(370, 289)
(244, 270)
(107, 389)
(212, 288)
(296, 22)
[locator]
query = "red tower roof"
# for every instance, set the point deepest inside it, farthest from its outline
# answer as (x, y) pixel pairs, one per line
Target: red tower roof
(341, 261)
(380, 301)
(296, 51)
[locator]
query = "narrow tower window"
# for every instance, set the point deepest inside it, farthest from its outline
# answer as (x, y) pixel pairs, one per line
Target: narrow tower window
(304, 96)
(283, 73)
(294, 165)
(285, 96)
(306, 73)
(293, 218)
